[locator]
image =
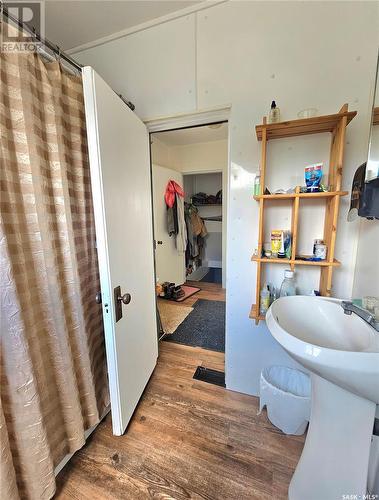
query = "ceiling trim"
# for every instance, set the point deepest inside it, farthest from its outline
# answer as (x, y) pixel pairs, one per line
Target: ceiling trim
(148, 24)
(197, 118)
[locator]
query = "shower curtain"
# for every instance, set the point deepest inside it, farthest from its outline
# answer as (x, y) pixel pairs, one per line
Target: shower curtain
(53, 369)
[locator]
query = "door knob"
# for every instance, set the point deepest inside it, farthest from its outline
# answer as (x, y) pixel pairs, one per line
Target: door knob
(120, 299)
(125, 299)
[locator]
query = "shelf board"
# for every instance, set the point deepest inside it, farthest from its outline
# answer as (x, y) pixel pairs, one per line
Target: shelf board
(297, 262)
(271, 260)
(289, 196)
(207, 204)
(305, 126)
(253, 314)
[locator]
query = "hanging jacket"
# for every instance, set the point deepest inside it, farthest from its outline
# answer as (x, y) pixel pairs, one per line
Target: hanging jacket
(181, 237)
(172, 219)
(198, 226)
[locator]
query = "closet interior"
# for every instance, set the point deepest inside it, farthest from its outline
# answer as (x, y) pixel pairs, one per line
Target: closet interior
(203, 194)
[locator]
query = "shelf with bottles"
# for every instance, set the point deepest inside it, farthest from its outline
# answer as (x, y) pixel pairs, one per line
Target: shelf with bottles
(298, 261)
(298, 194)
(304, 126)
(336, 125)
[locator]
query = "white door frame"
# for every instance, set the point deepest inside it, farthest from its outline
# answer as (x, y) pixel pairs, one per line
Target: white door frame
(196, 119)
(186, 120)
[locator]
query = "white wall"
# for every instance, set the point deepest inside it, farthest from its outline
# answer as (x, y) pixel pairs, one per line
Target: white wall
(200, 157)
(366, 281)
(208, 183)
(302, 54)
(160, 153)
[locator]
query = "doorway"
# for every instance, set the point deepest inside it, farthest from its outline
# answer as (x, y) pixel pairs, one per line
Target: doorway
(189, 170)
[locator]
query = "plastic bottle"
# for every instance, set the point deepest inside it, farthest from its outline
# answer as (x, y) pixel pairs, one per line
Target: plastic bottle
(265, 300)
(257, 184)
(274, 294)
(289, 285)
(274, 115)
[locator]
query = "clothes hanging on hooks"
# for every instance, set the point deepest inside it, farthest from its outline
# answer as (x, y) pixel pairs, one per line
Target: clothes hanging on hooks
(196, 232)
(176, 224)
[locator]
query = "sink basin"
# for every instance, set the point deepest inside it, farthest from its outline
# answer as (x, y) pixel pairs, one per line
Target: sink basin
(342, 354)
(340, 348)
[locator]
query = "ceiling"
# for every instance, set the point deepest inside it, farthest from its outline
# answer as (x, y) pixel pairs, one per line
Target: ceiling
(193, 135)
(73, 23)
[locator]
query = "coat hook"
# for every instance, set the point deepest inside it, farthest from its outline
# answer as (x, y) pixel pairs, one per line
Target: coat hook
(57, 53)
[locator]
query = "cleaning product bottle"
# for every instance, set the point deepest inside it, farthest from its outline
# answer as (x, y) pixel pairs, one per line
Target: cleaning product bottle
(288, 286)
(281, 253)
(265, 300)
(274, 115)
(257, 184)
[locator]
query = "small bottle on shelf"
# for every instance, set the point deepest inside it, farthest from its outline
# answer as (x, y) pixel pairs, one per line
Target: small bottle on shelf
(274, 115)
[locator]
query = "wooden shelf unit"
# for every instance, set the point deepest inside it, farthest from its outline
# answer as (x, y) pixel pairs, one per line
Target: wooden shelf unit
(335, 124)
(289, 196)
(253, 313)
(305, 126)
(298, 262)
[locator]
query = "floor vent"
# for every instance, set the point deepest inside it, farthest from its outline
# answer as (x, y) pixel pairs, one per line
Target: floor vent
(211, 376)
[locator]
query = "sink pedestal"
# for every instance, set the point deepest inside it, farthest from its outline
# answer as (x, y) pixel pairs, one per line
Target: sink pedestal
(335, 457)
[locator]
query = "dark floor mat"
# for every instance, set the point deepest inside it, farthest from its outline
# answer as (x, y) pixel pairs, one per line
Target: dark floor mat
(203, 327)
(211, 376)
(214, 275)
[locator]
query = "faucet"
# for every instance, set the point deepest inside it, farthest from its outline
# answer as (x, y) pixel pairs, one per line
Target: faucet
(348, 308)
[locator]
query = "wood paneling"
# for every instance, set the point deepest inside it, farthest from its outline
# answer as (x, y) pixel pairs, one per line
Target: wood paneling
(187, 439)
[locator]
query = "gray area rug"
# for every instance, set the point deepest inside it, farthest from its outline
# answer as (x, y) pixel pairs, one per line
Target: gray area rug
(203, 327)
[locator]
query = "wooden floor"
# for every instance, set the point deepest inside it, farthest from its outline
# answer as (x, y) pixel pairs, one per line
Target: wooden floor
(209, 291)
(187, 440)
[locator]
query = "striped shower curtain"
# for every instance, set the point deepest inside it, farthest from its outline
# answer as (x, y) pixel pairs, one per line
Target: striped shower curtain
(53, 368)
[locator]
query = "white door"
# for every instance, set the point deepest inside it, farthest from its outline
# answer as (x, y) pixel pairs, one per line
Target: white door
(169, 263)
(120, 175)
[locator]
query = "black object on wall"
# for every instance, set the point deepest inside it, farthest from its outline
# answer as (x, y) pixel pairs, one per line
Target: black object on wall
(364, 196)
(369, 200)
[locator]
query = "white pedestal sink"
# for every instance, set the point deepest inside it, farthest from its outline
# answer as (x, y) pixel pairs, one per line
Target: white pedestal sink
(342, 353)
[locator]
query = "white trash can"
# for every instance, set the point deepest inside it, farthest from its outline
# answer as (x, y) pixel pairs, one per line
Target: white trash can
(286, 393)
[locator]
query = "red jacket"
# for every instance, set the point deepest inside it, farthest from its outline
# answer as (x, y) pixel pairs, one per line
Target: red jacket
(172, 188)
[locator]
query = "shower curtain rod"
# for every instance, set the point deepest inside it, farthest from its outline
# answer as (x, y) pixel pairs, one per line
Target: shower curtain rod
(53, 47)
(44, 41)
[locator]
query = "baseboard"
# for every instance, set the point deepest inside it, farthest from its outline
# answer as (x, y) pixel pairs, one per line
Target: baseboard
(87, 433)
